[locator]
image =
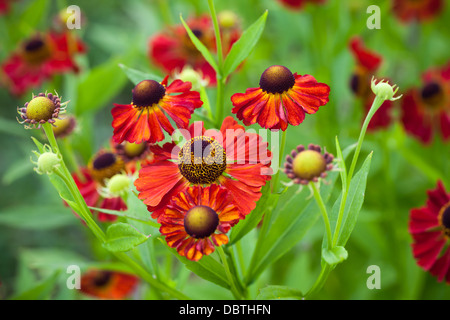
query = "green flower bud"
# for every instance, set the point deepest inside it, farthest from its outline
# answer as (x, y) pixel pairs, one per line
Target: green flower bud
(384, 90)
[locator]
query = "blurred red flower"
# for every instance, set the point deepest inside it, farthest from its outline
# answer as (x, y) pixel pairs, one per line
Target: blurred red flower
(430, 229)
(38, 59)
(367, 64)
(299, 4)
(427, 109)
(419, 10)
(108, 285)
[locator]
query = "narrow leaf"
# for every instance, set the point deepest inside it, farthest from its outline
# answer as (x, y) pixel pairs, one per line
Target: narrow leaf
(242, 48)
(200, 46)
(207, 268)
(136, 76)
(278, 292)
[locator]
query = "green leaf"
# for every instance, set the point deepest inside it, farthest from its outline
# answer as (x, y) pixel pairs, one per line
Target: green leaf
(278, 292)
(242, 48)
(207, 268)
(252, 220)
(200, 46)
(335, 255)
(42, 291)
(342, 166)
(136, 76)
(122, 237)
(12, 127)
(99, 86)
(17, 170)
(355, 199)
(34, 14)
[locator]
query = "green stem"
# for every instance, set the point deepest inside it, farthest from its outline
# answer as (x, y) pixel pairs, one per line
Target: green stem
(323, 210)
(320, 281)
(233, 288)
(376, 104)
(219, 73)
(280, 160)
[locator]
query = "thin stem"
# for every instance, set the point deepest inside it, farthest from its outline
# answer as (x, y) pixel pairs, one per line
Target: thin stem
(280, 159)
(320, 281)
(219, 72)
(376, 104)
(323, 210)
(235, 292)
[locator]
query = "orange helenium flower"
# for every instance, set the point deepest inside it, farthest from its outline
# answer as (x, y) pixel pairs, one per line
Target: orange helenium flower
(240, 162)
(108, 285)
(282, 98)
(198, 219)
(144, 119)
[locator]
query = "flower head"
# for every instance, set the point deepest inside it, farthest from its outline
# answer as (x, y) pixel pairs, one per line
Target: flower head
(41, 109)
(47, 162)
(197, 220)
(430, 229)
(417, 10)
(384, 90)
(426, 110)
(39, 58)
(64, 126)
(232, 158)
(144, 119)
(108, 285)
(304, 165)
(282, 98)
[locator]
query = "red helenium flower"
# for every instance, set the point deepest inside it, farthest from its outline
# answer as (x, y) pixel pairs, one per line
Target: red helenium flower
(172, 49)
(237, 160)
(420, 10)
(108, 285)
(427, 109)
(39, 58)
(367, 64)
(197, 220)
(282, 98)
(430, 229)
(144, 119)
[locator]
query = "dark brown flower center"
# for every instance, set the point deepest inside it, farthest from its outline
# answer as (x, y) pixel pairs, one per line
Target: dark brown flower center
(201, 222)
(444, 219)
(276, 79)
(102, 278)
(148, 92)
(202, 160)
(36, 51)
(309, 164)
(104, 160)
(432, 94)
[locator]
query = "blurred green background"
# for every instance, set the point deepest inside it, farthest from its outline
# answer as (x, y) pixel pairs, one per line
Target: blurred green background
(37, 233)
